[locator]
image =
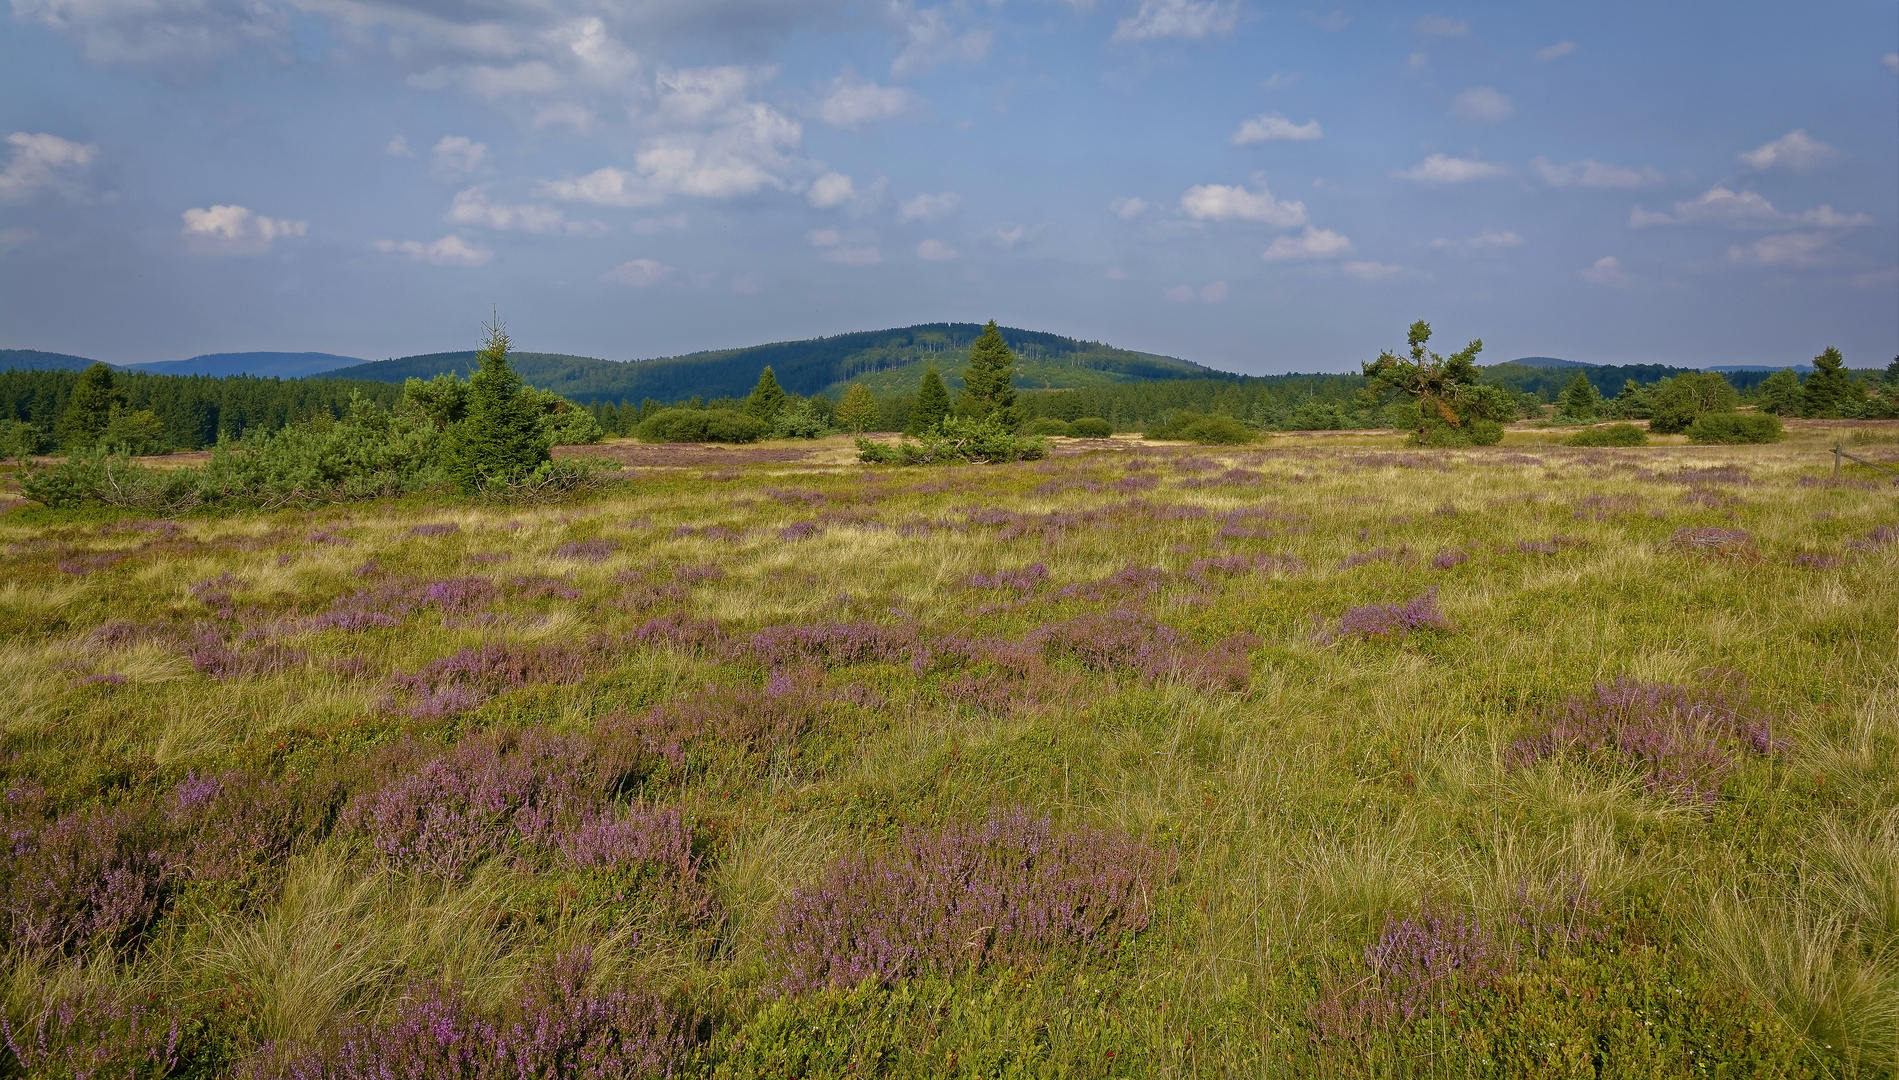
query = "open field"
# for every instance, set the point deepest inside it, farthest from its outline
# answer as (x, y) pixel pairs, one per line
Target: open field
(1319, 757)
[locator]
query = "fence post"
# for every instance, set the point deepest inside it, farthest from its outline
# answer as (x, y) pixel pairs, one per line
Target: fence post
(1836, 461)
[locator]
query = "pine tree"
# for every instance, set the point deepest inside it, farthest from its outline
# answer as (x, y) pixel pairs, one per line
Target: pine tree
(858, 410)
(766, 398)
(988, 382)
(501, 440)
(932, 403)
(1580, 399)
(1830, 391)
(95, 398)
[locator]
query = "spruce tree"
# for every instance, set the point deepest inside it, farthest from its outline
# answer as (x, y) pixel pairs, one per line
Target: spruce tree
(932, 403)
(766, 398)
(1579, 399)
(500, 440)
(1830, 392)
(858, 410)
(988, 382)
(95, 398)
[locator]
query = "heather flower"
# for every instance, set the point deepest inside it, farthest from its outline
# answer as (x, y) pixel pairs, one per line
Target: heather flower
(1416, 959)
(1382, 620)
(238, 827)
(1448, 558)
(800, 530)
(96, 874)
(1129, 582)
(96, 1032)
(216, 594)
(1012, 890)
(460, 682)
(1382, 554)
(1713, 541)
(443, 528)
(211, 655)
(836, 644)
(1129, 641)
(739, 717)
(1877, 538)
(1812, 561)
(587, 550)
(1023, 580)
(541, 587)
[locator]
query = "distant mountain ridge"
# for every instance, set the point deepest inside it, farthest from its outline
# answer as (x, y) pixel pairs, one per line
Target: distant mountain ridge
(282, 365)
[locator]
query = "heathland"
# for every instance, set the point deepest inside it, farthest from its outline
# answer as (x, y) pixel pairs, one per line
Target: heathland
(1320, 756)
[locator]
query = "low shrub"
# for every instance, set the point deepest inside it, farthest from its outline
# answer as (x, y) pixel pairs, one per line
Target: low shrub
(957, 439)
(1090, 427)
(1473, 432)
(1210, 430)
(1046, 425)
(1735, 427)
(1609, 435)
(1387, 620)
(702, 425)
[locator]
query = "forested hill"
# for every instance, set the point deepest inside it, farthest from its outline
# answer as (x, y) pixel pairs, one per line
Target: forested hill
(35, 360)
(889, 361)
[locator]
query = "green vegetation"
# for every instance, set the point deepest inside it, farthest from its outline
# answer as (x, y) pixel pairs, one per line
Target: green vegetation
(1449, 404)
(932, 404)
(500, 442)
(1610, 435)
(1716, 427)
(956, 440)
(1212, 430)
(988, 381)
(702, 425)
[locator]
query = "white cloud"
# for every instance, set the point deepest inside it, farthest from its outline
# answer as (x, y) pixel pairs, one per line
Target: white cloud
(824, 237)
(1489, 238)
(472, 207)
(234, 230)
(1128, 207)
(398, 147)
(1482, 105)
(926, 207)
(651, 225)
(1556, 51)
(1590, 173)
(1214, 293)
(156, 32)
(43, 162)
(935, 251)
(831, 189)
(1444, 169)
(1891, 61)
(1273, 127)
(1371, 271)
(1607, 271)
(1743, 210)
(639, 273)
(1439, 26)
(930, 42)
(1222, 202)
(567, 114)
(1313, 244)
(1796, 151)
(1191, 19)
(1331, 23)
(745, 151)
(450, 250)
(1794, 250)
(1007, 234)
(604, 187)
(457, 156)
(853, 256)
(1179, 294)
(1417, 61)
(852, 103)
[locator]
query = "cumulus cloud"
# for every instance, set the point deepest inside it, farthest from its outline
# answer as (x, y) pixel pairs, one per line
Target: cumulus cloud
(457, 156)
(831, 189)
(1489, 238)
(852, 103)
(1214, 293)
(650, 225)
(639, 273)
(1222, 202)
(567, 114)
(398, 147)
(1556, 51)
(1371, 271)
(1791, 250)
(1314, 243)
(234, 230)
(450, 250)
(1742, 210)
(1590, 173)
(473, 207)
(159, 32)
(930, 41)
(1007, 234)
(42, 163)
(926, 207)
(746, 150)
(1795, 151)
(1482, 105)
(1274, 127)
(1444, 169)
(1128, 207)
(1190, 19)
(824, 237)
(1440, 26)
(935, 251)
(1607, 271)
(1891, 62)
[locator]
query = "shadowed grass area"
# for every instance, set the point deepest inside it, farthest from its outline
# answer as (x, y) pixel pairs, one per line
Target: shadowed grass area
(1295, 759)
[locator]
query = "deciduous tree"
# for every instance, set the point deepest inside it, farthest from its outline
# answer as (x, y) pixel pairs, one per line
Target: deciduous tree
(858, 410)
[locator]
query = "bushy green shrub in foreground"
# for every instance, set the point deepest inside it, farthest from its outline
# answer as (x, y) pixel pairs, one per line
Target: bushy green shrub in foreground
(956, 439)
(1609, 435)
(702, 425)
(1734, 427)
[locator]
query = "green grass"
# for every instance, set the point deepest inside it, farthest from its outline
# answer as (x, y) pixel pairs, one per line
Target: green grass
(1349, 784)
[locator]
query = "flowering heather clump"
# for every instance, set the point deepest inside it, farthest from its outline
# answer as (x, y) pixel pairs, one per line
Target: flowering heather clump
(800, 530)
(1066, 483)
(681, 632)
(1013, 890)
(1547, 547)
(81, 565)
(541, 587)
(238, 827)
(736, 716)
(216, 594)
(1230, 478)
(1812, 561)
(95, 1033)
(1448, 558)
(1881, 536)
(1129, 581)
(326, 536)
(457, 683)
(800, 498)
(1724, 474)
(1023, 580)
(1604, 507)
(389, 604)
(1416, 958)
(1707, 540)
(212, 656)
(1137, 483)
(559, 1029)
(717, 533)
(587, 550)
(835, 644)
(110, 678)
(1684, 741)
(1382, 554)
(1711, 498)
(1189, 464)
(1129, 641)
(606, 841)
(95, 874)
(1379, 620)
(442, 528)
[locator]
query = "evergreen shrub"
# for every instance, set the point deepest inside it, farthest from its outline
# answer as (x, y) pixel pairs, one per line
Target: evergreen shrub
(1609, 435)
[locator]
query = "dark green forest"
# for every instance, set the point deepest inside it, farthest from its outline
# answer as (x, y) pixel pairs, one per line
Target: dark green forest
(194, 409)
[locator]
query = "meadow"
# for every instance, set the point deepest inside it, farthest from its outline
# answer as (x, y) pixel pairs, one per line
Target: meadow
(1317, 757)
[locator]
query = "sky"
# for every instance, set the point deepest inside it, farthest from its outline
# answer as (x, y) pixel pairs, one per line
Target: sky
(1258, 187)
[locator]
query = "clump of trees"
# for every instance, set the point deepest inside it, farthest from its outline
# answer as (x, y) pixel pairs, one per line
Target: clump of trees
(1831, 392)
(1454, 407)
(981, 426)
(767, 412)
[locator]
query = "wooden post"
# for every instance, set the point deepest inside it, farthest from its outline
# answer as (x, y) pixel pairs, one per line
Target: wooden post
(1836, 461)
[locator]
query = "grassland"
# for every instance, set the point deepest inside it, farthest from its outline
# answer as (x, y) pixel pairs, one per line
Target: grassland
(1324, 757)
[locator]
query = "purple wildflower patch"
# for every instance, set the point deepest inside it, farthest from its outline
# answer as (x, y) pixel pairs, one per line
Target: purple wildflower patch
(800, 530)
(96, 1032)
(1386, 620)
(440, 528)
(587, 550)
(458, 683)
(1876, 539)
(99, 874)
(1022, 580)
(1708, 540)
(213, 656)
(1448, 558)
(1012, 890)
(1129, 641)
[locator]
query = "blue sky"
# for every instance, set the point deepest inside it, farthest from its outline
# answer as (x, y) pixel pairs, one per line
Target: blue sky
(1259, 187)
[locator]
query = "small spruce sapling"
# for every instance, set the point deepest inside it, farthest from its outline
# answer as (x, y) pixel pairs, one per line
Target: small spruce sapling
(932, 404)
(766, 398)
(1579, 399)
(501, 440)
